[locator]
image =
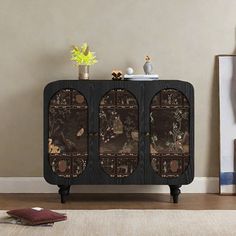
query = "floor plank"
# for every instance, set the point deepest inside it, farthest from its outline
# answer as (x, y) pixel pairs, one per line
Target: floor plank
(119, 201)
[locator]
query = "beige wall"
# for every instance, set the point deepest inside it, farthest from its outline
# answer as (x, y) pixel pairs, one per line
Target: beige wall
(181, 36)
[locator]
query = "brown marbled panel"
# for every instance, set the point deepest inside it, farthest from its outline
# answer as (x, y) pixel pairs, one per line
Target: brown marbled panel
(78, 165)
(119, 136)
(68, 132)
(171, 167)
(171, 97)
(61, 166)
(169, 133)
(61, 98)
(109, 165)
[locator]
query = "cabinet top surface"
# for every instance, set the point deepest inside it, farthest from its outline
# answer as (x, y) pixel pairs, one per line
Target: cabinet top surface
(121, 81)
(110, 80)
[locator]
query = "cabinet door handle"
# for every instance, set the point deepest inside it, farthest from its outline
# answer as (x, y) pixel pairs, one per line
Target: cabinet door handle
(146, 134)
(93, 134)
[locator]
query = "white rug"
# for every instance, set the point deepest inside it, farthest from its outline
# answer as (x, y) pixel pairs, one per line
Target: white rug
(133, 223)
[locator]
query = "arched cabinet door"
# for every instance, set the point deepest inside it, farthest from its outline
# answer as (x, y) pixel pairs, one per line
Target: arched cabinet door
(68, 133)
(169, 133)
(118, 133)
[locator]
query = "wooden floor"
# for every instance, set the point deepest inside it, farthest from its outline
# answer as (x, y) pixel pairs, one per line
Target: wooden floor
(118, 201)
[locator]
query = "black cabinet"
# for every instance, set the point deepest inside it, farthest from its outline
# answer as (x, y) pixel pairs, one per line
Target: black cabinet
(119, 132)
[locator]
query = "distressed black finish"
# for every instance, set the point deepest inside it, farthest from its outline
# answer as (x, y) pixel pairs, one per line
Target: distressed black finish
(91, 171)
(174, 192)
(63, 191)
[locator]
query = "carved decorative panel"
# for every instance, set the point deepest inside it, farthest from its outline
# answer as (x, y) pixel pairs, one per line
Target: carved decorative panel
(118, 134)
(169, 133)
(67, 143)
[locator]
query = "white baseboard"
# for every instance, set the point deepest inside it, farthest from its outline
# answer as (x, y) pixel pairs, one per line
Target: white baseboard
(39, 185)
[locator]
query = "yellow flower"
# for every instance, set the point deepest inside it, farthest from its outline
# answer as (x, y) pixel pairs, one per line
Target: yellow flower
(82, 55)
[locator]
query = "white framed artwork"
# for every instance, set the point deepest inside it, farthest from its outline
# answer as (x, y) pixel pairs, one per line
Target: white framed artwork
(227, 99)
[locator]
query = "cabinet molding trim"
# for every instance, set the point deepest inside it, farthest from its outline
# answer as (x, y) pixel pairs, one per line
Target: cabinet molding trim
(38, 185)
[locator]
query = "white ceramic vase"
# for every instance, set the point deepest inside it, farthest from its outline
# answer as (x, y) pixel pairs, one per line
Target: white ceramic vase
(147, 67)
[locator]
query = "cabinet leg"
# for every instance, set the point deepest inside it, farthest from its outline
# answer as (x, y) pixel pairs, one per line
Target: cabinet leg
(64, 190)
(174, 192)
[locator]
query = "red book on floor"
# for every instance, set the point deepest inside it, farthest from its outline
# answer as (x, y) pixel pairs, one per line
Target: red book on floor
(36, 216)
